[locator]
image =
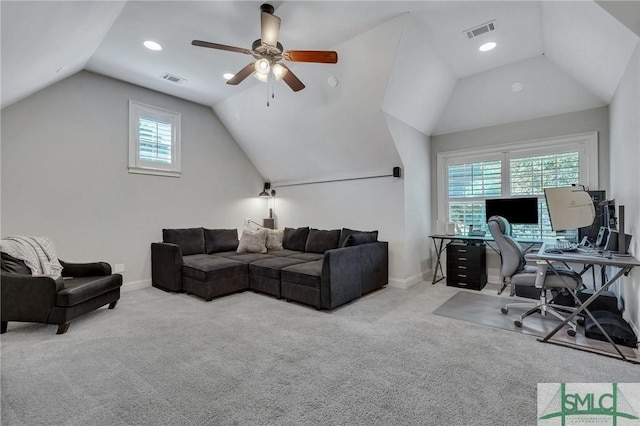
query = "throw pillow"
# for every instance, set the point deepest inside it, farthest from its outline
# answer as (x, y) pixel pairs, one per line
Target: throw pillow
(346, 232)
(253, 241)
(190, 240)
(274, 239)
(13, 265)
(218, 240)
(320, 241)
(295, 239)
(358, 238)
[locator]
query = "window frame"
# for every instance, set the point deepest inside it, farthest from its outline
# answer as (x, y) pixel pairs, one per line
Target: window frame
(586, 144)
(140, 166)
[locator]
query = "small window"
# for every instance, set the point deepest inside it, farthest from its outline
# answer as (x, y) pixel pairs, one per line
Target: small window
(154, 140)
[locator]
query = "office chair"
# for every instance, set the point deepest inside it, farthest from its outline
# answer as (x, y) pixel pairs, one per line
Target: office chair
(522, 278)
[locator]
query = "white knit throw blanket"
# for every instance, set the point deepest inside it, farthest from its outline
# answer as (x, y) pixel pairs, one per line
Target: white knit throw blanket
(38, 253)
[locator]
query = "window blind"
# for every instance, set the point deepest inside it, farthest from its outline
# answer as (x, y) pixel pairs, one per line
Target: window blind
(155, 140)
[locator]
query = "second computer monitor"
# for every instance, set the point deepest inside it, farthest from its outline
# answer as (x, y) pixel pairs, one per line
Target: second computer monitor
(515, 210)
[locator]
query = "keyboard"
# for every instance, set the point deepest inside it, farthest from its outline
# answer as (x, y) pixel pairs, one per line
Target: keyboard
(564, 246)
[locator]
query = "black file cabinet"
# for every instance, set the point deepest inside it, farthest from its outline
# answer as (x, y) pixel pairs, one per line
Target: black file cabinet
(467, 266)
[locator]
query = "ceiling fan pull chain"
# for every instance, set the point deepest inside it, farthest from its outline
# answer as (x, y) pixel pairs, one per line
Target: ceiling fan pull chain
(267, 92)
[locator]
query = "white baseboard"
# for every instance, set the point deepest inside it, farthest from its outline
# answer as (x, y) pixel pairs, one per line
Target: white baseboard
(135, 285)
(407, 282)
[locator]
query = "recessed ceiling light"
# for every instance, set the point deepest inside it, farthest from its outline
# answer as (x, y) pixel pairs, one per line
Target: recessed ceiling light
(152, 45)
(227, 76)
(487, 46)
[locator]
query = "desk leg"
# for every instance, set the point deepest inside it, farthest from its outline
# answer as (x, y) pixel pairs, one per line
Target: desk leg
(583, 307)
(439, 250)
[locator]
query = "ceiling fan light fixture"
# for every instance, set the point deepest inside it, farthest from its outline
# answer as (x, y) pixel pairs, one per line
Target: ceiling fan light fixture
(262, 66)
(262, 77)
(228, 76)
(279, 71)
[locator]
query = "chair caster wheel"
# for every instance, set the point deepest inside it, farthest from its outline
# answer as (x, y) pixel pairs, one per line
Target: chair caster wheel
(580, 322)
(517, 323)
(504, 310)
(571, 332)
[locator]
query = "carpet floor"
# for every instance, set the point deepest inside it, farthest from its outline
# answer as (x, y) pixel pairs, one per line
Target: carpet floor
(249, 359)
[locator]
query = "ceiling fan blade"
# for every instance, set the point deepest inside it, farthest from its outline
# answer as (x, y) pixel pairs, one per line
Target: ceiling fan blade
(242, 74)
(321, 56)
(270, 25)
(291, 80)
(220, 46)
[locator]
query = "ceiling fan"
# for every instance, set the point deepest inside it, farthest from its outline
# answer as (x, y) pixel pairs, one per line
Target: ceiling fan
(268, 53)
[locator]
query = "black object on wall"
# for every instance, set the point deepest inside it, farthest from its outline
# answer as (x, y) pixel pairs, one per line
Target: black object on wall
(591, 232)
(396, 172)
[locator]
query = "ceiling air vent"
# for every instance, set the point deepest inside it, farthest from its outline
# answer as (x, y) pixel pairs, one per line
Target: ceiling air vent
(173, 78)
(484, 28)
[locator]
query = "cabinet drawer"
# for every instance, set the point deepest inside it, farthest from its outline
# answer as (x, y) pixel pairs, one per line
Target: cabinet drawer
(470, 284)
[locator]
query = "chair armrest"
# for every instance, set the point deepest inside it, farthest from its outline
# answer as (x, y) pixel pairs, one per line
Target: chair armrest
(93, 269)
(27, 297)
(166, 266)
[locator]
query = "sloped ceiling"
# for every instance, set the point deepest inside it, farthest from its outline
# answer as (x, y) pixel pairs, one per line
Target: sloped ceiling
(45, 42)
(419, 67)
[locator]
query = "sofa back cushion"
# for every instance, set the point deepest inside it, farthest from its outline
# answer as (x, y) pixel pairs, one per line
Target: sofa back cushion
(357, 238)
(320, 241)
(218, 240)
(190, 240)
(346, 232)
(295, 239)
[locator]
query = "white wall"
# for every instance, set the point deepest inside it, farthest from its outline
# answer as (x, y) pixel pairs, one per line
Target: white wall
(413, 147)
(365, 204)
(625, 173)
(64, 174)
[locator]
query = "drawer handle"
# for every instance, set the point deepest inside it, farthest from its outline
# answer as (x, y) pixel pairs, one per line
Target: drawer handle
(462, 275)
(464, 284)
(462, 258)
(462, 250)
(462, 267)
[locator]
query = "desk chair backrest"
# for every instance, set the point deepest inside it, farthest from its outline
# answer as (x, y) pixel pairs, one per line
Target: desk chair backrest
(511, 252)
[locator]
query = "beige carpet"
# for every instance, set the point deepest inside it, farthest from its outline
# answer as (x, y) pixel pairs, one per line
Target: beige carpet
(483, 309)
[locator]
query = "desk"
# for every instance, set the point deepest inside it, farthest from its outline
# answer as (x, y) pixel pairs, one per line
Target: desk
(440, 247)
(624, 264)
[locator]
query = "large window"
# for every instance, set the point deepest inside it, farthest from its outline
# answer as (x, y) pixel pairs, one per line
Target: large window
(154, 140)
(469, 177)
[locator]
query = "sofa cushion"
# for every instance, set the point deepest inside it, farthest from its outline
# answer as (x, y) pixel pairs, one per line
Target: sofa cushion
(250, 257)
(309, 257)
(252, 241)
(346, 232)
(320, 241)
(270, 268)
(81, 289)
(295, 239)
(284, 252)
(14, 266)
(210, 268)
(274, 239)
(306, 274)
(220, 240)
(190, 240)
(358, 238)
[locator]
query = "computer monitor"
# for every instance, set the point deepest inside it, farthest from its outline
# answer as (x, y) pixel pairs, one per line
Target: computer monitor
(515, 210)
(570, 207)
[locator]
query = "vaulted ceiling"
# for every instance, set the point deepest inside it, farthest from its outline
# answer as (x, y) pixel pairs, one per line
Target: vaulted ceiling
(411, 60)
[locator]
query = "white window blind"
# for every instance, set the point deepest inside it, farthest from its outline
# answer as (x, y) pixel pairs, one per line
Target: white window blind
(515, 170)
(154, 140)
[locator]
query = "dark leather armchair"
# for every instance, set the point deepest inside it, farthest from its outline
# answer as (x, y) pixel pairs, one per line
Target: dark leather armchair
(82, 287)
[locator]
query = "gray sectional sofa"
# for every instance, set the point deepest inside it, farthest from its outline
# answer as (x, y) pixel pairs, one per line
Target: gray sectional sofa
(321, 268)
